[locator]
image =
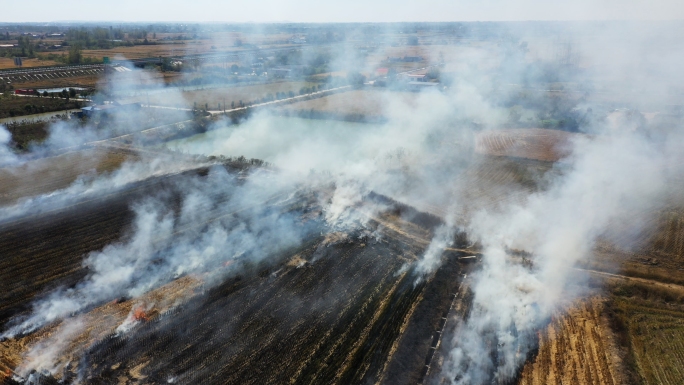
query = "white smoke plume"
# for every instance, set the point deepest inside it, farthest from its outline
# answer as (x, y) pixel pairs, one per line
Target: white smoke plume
(611, 179)
(88, 185)
(163, 246)
(7, 156)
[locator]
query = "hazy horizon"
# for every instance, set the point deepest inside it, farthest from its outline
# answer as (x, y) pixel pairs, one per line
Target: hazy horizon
(307, 11)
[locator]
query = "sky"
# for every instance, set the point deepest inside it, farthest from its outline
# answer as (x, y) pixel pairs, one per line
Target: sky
(336, 11)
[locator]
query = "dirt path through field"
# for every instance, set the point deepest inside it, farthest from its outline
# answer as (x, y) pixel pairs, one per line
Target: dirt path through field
(670, 286)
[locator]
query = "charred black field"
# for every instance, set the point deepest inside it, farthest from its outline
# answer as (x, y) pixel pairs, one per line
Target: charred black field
(337, 308)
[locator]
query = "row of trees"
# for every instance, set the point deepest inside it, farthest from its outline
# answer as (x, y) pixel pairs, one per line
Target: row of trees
(26, 48)
(104, 37)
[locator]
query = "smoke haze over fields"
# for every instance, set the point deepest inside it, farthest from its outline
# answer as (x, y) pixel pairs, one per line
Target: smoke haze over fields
(619, 172)
(352, 11)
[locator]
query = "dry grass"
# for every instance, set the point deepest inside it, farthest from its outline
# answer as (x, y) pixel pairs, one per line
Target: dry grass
(8, 63)
(576, 348)
(49, 174)
(214, 96)
(145, 51)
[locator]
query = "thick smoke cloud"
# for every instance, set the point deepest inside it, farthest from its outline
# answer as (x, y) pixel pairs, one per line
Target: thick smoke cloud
(612, 179)
(163, 246)
(226, 223)
(92, 186)
(7, 156)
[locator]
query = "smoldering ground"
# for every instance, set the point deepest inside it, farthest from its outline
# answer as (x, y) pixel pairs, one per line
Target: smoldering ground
(417, 158)
(228, 220)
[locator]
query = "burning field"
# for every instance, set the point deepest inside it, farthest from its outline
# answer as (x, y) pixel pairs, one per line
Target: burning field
(163, 267)
(332, 309)
(302, 244)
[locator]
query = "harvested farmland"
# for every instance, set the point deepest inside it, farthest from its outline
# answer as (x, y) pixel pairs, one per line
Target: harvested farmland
(45, 175)
(230, 95)
(355, 105)
(528, 143)
(50, 254)
(577, 347)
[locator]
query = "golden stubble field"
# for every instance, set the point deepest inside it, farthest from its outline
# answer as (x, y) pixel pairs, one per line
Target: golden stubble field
(577, 347)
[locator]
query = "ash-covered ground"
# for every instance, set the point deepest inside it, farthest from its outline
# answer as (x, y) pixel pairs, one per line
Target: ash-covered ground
(341, 306)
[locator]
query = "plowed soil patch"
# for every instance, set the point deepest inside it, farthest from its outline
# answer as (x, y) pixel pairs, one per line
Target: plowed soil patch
(528, 143)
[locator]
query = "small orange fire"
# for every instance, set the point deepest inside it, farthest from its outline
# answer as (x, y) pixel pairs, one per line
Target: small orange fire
(139, 314)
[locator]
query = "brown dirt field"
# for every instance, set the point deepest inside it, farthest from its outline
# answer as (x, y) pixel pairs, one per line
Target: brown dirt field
(528, 143)
(49, 174)
(369, 103)
(89, 81)
(94, 81)
(189, 47)
(8, 63)
(576, 348)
